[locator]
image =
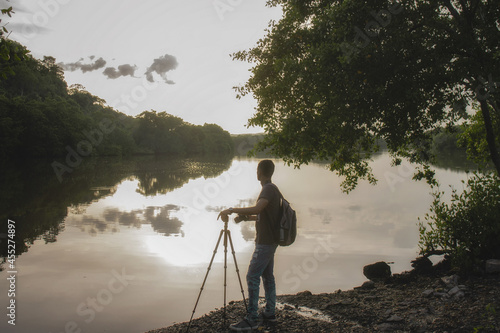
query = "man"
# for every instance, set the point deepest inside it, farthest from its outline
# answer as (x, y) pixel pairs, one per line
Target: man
(266, 214)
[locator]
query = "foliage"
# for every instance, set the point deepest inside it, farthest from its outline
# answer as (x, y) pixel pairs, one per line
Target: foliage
(446, 140)
(41, 117)
(331, 77)
(10, 52)
(157, 131)
(160, 133)
(467, 228)
(244, 143)
(473, 138)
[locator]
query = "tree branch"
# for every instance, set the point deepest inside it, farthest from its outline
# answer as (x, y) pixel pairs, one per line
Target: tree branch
(490, 134)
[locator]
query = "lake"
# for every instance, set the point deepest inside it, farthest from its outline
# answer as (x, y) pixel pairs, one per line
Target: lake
(123, 245)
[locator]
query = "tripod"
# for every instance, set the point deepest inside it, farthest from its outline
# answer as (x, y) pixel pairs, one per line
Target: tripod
(227, 236)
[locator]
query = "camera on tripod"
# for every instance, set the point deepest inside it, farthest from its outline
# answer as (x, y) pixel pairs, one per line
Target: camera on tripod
(227, 236)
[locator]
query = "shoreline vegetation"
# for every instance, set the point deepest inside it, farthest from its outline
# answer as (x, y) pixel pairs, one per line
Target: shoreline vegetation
(434, 299)
(41, 117)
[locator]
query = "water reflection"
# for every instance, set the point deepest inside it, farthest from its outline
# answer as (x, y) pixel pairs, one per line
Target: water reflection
(32, 196)
(159, 217)
(157, 220)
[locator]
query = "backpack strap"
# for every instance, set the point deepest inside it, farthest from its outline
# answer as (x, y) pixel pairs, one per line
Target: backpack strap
(271, 218)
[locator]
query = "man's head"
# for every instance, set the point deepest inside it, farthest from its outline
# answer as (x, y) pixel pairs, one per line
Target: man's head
(265, 170)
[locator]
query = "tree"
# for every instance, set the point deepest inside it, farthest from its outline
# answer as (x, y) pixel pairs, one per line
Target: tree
(157, 131)
(332, 77)
(10, 52)
(31, 77)
(473, 138)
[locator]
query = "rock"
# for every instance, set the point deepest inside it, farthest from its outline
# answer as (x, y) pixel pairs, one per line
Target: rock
(394, 319)
(440, 294)
(428, 292)
(450, 281)
(422, 265)
(377, 271)
(454, 290)
(492, 266)
(385, 327)
(368, 285)
(304, 293)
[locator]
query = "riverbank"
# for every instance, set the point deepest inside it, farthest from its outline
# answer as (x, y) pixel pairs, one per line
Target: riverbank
(406, 302)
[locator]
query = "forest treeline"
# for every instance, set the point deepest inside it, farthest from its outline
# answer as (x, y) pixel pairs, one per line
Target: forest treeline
(40, 116)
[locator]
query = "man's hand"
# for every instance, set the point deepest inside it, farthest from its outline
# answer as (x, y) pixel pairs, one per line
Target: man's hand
(224, 215)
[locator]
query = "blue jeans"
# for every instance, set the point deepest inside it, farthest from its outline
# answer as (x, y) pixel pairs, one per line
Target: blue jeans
(262, 264)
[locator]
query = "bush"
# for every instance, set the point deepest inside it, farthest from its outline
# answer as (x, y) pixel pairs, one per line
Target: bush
(468, 228)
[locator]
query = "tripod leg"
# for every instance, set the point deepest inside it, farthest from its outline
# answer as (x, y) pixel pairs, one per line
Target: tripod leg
(225, 271)
(237, 270)
(204, 280)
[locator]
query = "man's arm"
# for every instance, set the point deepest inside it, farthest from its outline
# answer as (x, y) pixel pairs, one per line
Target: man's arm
(240, 218)
(254, 210)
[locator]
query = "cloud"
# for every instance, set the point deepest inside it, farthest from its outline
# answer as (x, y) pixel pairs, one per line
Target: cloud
(123, 70)
(74, 66)
(25, 29)
(161, 66)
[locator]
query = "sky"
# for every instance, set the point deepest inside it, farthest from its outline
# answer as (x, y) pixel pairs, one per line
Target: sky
(163, 55)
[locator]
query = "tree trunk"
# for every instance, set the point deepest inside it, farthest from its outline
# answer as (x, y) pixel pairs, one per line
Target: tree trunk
(490, 134)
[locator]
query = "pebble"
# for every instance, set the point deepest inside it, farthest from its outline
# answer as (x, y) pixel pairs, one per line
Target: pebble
(450, 281)
(304, 293)
(454, 290)
(394, 319)
(428, 292)
(385, 327)
(404, 306)
(492, 266)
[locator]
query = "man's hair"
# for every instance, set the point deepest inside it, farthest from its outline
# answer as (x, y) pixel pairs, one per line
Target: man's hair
(266, 167)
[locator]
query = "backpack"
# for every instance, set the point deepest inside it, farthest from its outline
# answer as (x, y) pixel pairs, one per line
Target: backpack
(286, 231)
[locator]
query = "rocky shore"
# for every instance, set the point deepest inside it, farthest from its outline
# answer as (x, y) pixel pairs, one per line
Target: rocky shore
(436, 301)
